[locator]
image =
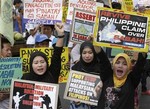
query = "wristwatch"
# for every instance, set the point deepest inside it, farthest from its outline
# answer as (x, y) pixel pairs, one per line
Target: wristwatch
(61, 36)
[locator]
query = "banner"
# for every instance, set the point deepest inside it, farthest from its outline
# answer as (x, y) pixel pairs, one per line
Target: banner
(6, 20)
(82, 25)
(121, 30)
(27, 94)
(9, 68)
(43, 12)
(83, 87)
(26, 52)
(83, 5)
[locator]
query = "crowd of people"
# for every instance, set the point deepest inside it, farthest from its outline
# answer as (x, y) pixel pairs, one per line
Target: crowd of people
(120, 78)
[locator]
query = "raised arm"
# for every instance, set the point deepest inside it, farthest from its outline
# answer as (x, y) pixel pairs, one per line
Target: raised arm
(55, 66)
(60, 30)
(104, 64)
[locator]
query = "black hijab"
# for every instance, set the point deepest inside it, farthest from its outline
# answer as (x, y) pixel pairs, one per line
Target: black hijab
(82, 65)
(46, 77)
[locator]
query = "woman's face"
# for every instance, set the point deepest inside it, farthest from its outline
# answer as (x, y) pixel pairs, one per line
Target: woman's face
(39, 65)
(87, 55)
(120, 67)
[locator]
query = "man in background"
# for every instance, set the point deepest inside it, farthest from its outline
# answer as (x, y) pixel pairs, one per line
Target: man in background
(6, 48)
(5, 52)
(49, 31)
(42, 40)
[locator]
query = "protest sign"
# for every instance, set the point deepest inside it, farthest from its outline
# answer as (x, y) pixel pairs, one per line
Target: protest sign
(6, 20)
(114, 52)
(27, 94)
(131, 54)
(83, 5)
(26, 52)
(83, 87)
(142, 6)
(10, 67)
(127, 5)
(121, 30)
(82, 25)
(42, 11)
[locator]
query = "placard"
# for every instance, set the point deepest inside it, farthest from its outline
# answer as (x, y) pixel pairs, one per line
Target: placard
(83, 87)
(121, 29)
(27, 94)
(82, 25)
(10, 67)
(142, 6)
(87, 5)
(42, 12)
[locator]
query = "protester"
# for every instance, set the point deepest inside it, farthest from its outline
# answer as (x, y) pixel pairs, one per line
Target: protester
(145, 74)
(6, 48)
(75, 52)
(39, 70)
(42, 40)
(146, 71)
(33, 32)
(120, 83)
(16, 5)
(88, 63)
(116, 5)
(19, 19)
(49, 31)
(5, 52)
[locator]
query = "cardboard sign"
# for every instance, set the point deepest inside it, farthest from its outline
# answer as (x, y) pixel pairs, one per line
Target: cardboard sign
(141, 6)
(121, 30)
(10, 68)
(83, 5)
(82, 25)
(127, 5)
(83, 87)
(42, 12)
(27, 94)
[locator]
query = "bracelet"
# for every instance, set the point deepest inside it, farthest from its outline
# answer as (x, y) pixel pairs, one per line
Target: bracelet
(61, 36)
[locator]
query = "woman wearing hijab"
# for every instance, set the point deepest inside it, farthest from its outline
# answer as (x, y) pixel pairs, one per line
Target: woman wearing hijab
(39, 69)
(89, 63)
(121, 82)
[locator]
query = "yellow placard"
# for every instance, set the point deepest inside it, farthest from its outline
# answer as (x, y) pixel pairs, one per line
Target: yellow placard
(121, 29)
(127, 5)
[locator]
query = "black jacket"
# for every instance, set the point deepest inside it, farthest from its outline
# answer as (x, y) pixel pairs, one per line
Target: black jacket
(121, 97)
